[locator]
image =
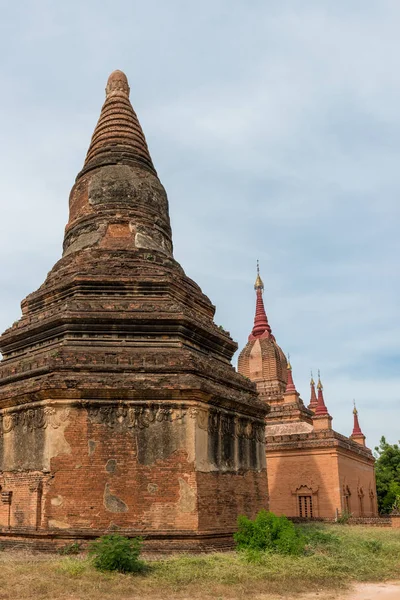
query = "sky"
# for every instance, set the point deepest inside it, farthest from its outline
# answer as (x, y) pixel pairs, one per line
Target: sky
(275, 129)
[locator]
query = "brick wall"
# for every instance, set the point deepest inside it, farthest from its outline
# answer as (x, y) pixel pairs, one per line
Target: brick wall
(357, 482)
(305, 473)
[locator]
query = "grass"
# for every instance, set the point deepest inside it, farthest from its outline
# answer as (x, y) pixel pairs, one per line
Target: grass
(337, 556)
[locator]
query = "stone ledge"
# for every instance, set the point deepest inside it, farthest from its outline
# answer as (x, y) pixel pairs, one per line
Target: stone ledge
(163, 542)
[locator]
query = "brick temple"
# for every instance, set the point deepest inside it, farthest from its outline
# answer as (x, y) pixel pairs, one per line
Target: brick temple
(313, 471)
(119, 407)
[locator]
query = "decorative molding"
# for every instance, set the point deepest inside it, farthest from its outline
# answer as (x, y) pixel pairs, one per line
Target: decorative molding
(306, 484)
(135, 417)
(228, 424)
(33, 418)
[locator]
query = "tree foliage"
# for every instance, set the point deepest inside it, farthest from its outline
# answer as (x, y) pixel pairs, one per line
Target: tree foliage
(387, 474)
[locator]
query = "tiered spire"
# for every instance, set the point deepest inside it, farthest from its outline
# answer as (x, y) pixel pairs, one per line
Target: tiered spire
(290, 388)
(313, 399)
(356, 426)
(118, 137)
(357, 435)
(320, 408)
(261, 325)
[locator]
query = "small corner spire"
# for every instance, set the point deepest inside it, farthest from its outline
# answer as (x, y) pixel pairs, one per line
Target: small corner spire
(313, 398)
(290, 387)
(356, 425)
(319, 384)
(320, 408)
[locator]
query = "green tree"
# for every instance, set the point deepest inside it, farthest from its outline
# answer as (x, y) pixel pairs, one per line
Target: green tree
(387, 474)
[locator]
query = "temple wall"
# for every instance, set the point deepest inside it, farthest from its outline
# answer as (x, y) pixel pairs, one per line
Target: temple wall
(307, 473)
(358, 487)
(139, 466)
(231, 468)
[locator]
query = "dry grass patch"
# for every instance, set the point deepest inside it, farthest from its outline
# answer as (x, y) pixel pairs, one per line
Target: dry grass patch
(335, 559)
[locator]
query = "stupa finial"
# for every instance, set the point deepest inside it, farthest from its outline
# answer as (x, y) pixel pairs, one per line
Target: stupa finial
(117, 84)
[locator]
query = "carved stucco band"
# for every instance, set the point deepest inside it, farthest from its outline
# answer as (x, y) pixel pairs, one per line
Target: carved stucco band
(138, 417)
(33, 418)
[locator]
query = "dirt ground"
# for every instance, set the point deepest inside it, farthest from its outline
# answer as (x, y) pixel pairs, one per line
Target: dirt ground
(361, 591)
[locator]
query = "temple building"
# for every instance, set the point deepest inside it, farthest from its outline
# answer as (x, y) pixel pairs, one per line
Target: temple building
(312, 470)
(120, 409)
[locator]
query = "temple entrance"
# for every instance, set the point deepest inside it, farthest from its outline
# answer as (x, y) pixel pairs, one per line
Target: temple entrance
(305, 507)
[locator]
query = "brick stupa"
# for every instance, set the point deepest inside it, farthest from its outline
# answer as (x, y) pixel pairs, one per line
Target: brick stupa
(120, 410)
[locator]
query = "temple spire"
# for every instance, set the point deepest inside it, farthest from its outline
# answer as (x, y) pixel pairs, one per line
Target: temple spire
(118, 136)
(320, 408)
(261, 325)
(313, 399)
(290, 388)
(356, 425)
(357, 435)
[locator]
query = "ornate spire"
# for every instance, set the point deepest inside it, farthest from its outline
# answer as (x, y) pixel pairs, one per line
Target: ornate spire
(290, 388)
(261, 325)
(356, 427)
(118, 137)
(320, 408)
(259, 285)
(313, 399)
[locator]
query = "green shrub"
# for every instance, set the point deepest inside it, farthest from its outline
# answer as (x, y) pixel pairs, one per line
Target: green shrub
(117, 553)
(374, 546)
(70, 549)
(317, 537)
(343, 518)
(268, 532)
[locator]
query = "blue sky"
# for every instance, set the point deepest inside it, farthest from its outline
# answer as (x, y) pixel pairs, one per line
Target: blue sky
(275, 128)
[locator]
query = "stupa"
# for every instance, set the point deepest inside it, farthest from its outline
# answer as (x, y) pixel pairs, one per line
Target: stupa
(119, 407)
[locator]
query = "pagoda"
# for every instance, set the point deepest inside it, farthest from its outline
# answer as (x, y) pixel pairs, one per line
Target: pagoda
(119, 407)
(313, 471)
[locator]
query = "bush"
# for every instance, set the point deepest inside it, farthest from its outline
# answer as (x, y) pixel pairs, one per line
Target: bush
(343, 519)
(117, 553)
(70, 549)
(270, 533)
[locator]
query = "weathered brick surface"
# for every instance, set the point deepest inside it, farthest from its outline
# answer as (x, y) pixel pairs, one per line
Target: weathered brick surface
(119, 406)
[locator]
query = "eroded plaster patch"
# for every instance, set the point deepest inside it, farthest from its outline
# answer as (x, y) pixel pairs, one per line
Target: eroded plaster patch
(111, 465)
(187, 497)
(112, 503)
(58, 524)
(57, 500)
